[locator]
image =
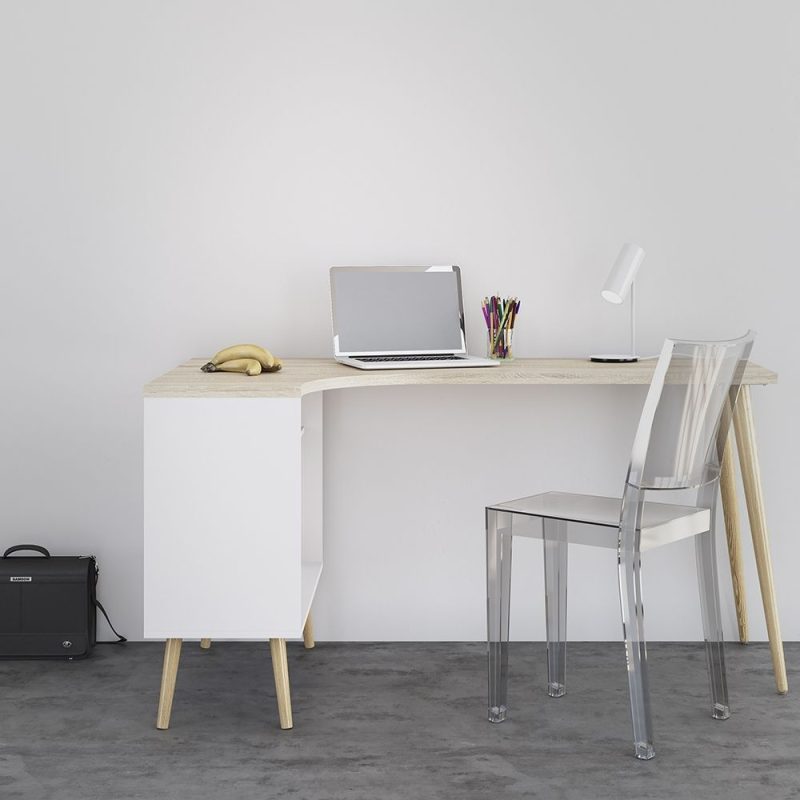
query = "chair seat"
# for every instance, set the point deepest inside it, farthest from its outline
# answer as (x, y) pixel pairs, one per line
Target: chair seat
(595, 520)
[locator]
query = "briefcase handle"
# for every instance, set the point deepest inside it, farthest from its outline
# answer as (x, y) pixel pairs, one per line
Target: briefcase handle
(36, 547)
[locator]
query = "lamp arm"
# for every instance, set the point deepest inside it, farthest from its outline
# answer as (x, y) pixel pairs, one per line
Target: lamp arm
(633, 319)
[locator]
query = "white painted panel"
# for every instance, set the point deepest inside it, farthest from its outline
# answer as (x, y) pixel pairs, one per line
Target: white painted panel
(312, 476)
(311, 572)
(222, 518)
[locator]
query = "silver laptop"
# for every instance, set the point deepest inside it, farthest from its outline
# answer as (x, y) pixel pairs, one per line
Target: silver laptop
(399, 318)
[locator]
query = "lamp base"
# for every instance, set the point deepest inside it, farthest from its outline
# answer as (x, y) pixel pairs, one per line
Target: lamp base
(614, 358)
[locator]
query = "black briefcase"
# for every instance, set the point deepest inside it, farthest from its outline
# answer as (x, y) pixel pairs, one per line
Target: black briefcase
(48, 605)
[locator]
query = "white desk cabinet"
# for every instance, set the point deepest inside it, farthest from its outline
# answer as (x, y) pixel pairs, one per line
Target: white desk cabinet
(233, 516)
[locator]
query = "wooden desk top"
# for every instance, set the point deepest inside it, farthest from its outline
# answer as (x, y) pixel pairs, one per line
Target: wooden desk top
(301, 376)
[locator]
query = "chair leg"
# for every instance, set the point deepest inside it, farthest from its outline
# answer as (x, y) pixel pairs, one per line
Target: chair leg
(751, 479)
(630, 590)
(705, 550)
(308, 633)
(169, 675)
(555, 582)
(205, 644)
(730, 510)
(498, 601)
(280, 669)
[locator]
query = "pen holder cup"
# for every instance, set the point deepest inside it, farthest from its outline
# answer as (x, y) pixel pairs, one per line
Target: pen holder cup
(499, 344)
(500, 314)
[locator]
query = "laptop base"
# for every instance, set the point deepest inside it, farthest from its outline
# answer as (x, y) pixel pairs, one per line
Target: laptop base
(392, 362)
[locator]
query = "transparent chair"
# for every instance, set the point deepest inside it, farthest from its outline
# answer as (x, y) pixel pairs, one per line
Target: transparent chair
(679, 445)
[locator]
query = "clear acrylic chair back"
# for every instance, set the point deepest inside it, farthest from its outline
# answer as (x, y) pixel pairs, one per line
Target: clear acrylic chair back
(687, 413)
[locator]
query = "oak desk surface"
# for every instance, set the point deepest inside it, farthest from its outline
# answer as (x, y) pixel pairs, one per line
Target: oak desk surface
(301, 376)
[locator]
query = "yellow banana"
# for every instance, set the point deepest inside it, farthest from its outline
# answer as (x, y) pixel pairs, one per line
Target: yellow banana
(247, 366)
(275, 367)
(264, 357)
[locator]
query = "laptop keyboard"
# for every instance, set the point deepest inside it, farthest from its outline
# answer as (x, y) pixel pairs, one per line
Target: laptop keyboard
(381, 359)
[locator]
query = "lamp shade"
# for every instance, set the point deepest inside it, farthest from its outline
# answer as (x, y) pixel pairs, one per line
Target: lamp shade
(623, 273)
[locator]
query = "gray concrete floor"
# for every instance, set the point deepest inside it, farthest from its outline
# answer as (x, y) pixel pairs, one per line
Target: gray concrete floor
(391, 721)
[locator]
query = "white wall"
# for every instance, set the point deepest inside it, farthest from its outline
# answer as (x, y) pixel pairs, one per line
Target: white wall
(179, 176)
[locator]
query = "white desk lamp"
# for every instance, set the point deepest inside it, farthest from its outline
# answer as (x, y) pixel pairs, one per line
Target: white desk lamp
(618, 283)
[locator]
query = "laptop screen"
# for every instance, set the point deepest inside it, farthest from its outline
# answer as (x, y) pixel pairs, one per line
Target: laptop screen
(380, 310)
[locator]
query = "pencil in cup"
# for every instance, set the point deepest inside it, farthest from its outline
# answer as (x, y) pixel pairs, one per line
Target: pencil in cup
(500, 315)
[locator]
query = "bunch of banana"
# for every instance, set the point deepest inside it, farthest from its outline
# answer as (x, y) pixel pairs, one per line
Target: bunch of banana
(249, 359)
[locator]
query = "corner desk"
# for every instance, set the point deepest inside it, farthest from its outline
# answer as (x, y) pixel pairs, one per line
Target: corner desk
(233, 481)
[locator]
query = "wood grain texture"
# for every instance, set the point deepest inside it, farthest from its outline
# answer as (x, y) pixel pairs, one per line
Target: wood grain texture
(308, 633)
(280, 668)
(169, 676)
(301, 376)
(733, 534)
(751, 480)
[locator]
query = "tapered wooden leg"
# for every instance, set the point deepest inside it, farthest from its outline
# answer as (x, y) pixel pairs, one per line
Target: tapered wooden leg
(172, 657)
(730, 509)
(280, 668)
(308, 633)
(205, 644)
(751, 479)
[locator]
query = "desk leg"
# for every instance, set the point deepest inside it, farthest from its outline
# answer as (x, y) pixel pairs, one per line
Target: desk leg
(751, 478)
(308, 633)
(169, 675)
(280, 668)
(730, 509)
